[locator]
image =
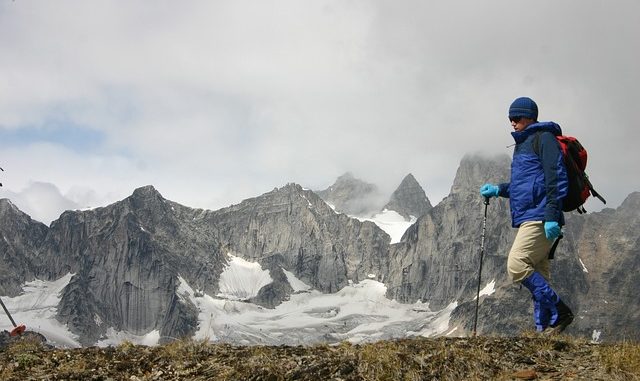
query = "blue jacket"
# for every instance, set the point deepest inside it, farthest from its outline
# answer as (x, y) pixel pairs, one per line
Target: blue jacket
(538, 180)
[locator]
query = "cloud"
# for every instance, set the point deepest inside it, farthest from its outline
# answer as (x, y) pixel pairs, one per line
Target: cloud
(213, 102)
(41, 201)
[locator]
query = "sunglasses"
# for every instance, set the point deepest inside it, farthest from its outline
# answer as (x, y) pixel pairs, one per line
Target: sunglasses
(515, 119)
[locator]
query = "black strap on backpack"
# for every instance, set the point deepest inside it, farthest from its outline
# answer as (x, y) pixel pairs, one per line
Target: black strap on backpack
(552, 252)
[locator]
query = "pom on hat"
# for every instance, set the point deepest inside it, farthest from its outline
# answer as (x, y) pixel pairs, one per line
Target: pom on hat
(524, 107)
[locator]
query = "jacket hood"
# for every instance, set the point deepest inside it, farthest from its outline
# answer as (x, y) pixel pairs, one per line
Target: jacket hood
(521, 136)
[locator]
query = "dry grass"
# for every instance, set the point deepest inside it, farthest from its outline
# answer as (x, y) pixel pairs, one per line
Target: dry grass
(622, 359)
(482, 358)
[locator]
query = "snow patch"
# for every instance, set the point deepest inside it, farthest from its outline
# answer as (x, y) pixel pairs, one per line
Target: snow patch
(489, 289)
(584, 268)
(116, 337)
(391, 222)
(440, 324)
(295, 283)
(241, 280)
(333, 207)
(310, 206)
(451, 331)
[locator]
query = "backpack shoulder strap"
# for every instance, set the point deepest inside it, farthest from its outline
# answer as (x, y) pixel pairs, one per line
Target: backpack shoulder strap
(536, 141)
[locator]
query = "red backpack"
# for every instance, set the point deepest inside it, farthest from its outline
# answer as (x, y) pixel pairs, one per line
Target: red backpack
(575, 160)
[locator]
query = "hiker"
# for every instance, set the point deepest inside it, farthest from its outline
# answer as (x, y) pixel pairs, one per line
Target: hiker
(538, 184)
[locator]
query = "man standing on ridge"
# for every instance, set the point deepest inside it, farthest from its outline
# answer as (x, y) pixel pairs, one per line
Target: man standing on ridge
(537, 187)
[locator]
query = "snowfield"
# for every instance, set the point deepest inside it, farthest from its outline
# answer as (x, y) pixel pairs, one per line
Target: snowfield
(36, 307)
(359, 312)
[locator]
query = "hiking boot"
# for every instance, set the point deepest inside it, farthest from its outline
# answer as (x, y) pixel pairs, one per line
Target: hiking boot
(565, 317)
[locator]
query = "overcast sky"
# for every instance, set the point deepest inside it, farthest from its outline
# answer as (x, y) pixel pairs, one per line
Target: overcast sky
(213, 101)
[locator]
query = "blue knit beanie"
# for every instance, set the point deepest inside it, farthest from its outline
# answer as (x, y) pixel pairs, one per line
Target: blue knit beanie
(524, 107)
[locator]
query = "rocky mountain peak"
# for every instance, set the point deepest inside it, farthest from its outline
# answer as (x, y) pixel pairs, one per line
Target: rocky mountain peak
(352, 196)
(146, 192)
(20, 236)
(409, 199)
(10, 213)
(346, 177)
(291, 188)
(348, 183)
(6, 206)
(147, 198)
(477, 169)
(632, 202)
(290, 192)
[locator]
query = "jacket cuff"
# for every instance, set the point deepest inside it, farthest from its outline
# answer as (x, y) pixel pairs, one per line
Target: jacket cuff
(503, 190)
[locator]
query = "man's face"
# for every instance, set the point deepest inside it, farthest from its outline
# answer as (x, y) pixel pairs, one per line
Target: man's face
(520, 123)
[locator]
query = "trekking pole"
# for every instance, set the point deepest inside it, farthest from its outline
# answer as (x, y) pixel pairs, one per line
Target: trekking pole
(17, 329)
(484, 228)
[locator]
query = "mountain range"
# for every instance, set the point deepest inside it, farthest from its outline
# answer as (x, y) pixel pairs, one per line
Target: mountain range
(298, 266)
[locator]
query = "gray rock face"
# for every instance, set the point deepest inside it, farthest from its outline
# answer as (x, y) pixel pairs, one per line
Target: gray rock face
(599, 262)
(127, 258)
(294, 229)
(409, 199)
(21, 236)
(353, 196)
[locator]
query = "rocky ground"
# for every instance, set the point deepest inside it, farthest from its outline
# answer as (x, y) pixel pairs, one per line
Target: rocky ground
(528, 357)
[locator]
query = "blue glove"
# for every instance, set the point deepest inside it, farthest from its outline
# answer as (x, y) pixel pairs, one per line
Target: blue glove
(552, 230)
(489, 190)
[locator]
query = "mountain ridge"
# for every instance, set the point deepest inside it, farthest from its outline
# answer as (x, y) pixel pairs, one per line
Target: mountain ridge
(128, 260)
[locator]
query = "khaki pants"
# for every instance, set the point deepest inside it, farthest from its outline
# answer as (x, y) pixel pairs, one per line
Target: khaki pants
(529, 252)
